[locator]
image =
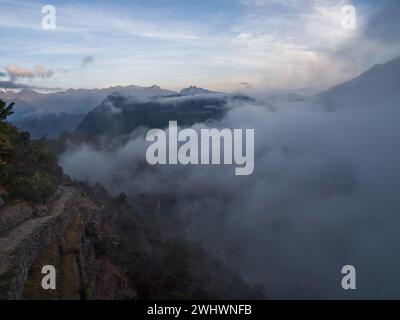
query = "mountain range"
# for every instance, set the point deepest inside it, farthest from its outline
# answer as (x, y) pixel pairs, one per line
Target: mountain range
(119, 110)
(51, 114)
(31, 104)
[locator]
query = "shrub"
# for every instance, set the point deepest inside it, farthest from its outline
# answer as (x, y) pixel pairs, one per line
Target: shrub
(37, 188)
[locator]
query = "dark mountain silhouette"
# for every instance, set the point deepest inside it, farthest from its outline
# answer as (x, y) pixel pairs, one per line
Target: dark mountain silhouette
(54, 113)
(193, 90)
(50, 125)
(379, 86)
(119, 115)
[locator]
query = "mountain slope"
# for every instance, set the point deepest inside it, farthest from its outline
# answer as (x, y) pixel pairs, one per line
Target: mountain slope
(377, 87)
(193, 90)
(30, 104)
(119, 115)
(50, 114)
(50, 125)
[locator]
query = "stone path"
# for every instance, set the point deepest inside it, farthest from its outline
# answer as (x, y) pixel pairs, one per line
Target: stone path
(23, 244)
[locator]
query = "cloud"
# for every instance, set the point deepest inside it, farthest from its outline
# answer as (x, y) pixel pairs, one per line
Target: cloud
(38, 71)
(86, 61)
(269, 3)
(293, 42)
(323, 195)
(384, 24)
(262, 42)
(13, 85)
(16, 85)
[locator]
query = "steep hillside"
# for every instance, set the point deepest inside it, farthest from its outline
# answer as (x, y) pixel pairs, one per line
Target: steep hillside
(119, 115)
(27, 169)
(377, 87)
(102, 247)
(50, 125)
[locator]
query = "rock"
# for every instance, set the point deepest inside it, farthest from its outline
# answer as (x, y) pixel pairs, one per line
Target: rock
(2, 202)
(14, 214)
(40, 211)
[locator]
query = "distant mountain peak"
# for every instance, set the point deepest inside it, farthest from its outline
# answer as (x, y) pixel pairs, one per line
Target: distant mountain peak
(28, 91)
(193, 90)
(154, 86)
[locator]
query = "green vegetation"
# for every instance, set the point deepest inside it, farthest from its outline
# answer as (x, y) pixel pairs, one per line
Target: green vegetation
(27, 169)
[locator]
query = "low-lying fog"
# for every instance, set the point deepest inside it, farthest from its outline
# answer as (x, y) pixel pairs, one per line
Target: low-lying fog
(324, 194)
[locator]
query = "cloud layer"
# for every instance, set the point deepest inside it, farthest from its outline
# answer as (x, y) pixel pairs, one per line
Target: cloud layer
(323, 195)
(38, 71)
(13, 85)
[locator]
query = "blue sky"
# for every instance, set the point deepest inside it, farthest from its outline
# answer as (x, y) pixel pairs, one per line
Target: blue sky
(218, 44)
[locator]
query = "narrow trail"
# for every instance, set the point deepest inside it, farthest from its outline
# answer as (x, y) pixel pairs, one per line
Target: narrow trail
(20, 248)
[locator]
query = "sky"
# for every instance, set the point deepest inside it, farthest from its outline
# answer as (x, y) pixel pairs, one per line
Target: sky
(218, 44)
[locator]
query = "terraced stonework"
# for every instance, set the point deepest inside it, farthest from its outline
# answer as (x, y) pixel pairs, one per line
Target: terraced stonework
(22, 245)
